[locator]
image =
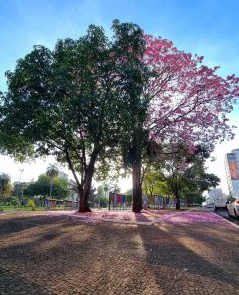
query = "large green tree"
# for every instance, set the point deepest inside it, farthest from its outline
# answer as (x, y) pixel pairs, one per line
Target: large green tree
(5, 185)
(41, 187)
(72, 102)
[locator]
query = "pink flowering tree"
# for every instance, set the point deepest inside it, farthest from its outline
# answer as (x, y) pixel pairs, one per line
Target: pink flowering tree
(188, 101)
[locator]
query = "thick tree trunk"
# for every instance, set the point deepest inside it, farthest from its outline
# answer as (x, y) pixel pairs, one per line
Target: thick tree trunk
(85, 191)
(177, 203)
(136, 177)
(177, 197)
(137, 188)
(84, 197)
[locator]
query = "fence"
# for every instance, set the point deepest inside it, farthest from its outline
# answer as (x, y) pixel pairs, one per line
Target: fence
(121, 202)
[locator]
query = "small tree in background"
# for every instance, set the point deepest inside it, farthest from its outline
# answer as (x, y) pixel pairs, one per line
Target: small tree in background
(180, 173)
(52, 172)
(31, 203)
(41, 187)
(5, 186)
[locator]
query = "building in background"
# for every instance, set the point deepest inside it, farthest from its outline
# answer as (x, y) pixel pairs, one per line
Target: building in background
(232, 172)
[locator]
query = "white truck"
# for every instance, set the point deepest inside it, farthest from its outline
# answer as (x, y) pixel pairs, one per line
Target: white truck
(219, 202)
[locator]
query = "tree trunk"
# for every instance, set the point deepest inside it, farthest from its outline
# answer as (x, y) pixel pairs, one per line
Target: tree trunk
(137, 189)
(136, 177)
(84, 196)
(177, 197)
(85, 191)
(177, 203)
(50, 189)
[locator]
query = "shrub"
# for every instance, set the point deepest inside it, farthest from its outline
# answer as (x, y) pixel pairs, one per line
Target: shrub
(15, 202)
(31, 203)
(103, 201)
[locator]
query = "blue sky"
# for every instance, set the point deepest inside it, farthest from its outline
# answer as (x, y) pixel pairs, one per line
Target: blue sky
(205, 27)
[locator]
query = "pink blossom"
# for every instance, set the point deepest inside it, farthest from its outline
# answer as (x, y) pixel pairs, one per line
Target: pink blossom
(189, 100)
(146, 217)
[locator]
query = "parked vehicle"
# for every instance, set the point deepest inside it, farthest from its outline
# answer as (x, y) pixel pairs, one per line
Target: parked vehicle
(233, 207)
(209, 203)
(219, 203)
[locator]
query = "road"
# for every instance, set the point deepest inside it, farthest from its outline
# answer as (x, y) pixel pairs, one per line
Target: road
(224, 214)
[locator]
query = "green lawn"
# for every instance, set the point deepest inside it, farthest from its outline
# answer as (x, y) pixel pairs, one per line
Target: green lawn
(5, 208)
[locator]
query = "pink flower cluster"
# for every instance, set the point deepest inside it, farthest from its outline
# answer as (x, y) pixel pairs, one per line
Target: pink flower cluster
(195, 217)
(146, 216)
(190, 101)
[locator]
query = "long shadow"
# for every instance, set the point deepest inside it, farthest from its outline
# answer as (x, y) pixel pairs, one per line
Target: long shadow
(17, 224)
(50, 256)
(14, 283)
(110, 258)
(168, 251)
(80, 258)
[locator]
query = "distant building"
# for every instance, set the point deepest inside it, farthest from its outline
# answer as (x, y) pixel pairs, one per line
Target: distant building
(232, 172)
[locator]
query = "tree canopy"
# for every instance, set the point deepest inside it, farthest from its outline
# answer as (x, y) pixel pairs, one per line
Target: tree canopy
(5, 186)
(180, 173)
(71, 102)
(94, 98)
(41, 187)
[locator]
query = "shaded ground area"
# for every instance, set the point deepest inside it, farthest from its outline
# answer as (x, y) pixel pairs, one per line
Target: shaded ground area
(54, 255)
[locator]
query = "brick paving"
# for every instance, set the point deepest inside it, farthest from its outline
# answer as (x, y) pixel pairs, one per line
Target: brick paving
(46, 256)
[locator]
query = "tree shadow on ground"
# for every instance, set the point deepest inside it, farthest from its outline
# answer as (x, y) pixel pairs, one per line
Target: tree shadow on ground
(19, 223)
(12, 282)
(108, 258)
(177, 247)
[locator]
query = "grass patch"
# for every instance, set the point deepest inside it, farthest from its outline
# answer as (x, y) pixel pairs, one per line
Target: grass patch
(6, 208)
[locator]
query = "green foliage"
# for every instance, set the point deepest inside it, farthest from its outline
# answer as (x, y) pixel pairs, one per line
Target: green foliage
(15, 202)
(10, 201)
(100, 191)
(5, 186)
(60, 187)
(52, 171)
(31, 203)
(76, 101)
(104, 201)
(179, 173)
(152, 183)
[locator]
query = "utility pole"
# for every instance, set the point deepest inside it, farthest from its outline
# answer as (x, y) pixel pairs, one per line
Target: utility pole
(21, 170)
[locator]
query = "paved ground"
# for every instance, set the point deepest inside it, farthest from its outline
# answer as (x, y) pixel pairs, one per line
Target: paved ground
(44, 256)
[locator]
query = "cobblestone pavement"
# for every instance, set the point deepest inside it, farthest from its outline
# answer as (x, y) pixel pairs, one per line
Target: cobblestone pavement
(46, 256)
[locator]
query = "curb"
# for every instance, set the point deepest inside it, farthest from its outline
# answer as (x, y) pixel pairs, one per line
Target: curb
(231, 223)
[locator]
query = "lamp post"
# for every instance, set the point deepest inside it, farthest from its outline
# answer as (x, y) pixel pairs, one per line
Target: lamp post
(21, 170)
